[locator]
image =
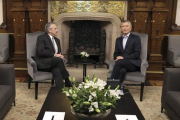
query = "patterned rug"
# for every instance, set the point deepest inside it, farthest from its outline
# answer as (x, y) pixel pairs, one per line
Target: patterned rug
(27, 108)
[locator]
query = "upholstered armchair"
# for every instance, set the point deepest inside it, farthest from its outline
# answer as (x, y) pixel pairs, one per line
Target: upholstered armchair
(170, 99)
(7, 88)
(173, 55)
(4, 47)
(138, 76)
(35, 75)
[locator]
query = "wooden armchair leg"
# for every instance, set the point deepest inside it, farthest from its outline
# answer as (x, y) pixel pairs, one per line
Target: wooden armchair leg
(14, 103)
(52, 83)
(36, 90)
(29, 82)
(142, 89)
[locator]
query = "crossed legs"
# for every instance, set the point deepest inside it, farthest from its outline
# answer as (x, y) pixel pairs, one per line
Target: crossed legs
(121, 67)
(59, 72)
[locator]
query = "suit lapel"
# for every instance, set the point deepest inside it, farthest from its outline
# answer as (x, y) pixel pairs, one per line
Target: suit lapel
(128, 41)
(50, 42)
(121, 44)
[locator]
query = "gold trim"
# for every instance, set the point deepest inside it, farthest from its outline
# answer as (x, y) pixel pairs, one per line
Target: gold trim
(155, 72)
(114, 7)
(21, 69)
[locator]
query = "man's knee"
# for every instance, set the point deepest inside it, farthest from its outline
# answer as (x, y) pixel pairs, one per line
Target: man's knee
(57, 60)
(119, 62)
(123, 70)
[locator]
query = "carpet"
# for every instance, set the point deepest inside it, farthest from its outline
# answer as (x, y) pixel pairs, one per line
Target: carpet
(27, 108)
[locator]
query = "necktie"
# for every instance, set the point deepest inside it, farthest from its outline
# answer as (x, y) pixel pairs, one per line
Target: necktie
(55, 45)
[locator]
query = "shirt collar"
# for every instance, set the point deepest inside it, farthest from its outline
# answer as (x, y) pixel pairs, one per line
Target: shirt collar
(126, 35)
(50, 36)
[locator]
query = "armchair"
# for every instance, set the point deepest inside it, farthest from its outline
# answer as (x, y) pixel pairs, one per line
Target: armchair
(173, 55)
(4, 47)
(170, 99)
(7, 88)
(138, 76)
(34, 74)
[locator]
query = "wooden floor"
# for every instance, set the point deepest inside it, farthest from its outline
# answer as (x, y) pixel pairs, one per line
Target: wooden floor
(155, 82)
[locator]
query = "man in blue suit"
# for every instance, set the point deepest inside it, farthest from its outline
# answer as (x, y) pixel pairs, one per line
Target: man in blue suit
(127, 53)
(48, 55)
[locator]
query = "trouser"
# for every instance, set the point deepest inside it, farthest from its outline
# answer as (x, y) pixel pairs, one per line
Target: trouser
(121, 67)
(59, 72)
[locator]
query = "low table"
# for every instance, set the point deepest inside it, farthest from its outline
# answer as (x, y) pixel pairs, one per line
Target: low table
(88, 61)
(57, 101)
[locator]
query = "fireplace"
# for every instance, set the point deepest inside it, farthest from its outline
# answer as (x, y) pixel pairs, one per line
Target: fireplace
(108, 21)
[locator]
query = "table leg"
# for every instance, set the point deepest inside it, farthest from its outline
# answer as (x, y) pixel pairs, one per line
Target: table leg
(84, 71)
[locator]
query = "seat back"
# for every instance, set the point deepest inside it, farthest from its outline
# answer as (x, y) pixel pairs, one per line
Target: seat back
(4, 41)
(31, 39)
(4, 47)
(174, 43)
(144, 43)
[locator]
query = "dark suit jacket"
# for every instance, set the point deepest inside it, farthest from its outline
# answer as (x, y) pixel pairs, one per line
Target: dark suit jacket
(45, 51)
(132, 49)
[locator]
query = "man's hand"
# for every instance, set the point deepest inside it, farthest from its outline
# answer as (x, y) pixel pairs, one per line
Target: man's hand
(59, 55)
(119, 57)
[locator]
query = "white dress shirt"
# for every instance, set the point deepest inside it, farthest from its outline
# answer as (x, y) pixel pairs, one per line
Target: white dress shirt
(125, 40)
(54, 43)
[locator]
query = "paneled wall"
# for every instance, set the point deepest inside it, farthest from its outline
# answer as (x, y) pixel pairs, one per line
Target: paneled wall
(154, 17)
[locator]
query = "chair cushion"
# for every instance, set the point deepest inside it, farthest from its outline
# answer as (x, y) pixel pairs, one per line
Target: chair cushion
(135, 76)
(1, 59)
(5, 94)
(132, 76)
(38, 76)
(177, 62)
(173, 99)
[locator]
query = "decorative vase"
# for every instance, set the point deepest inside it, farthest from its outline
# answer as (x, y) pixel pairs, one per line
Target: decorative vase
(81, 116)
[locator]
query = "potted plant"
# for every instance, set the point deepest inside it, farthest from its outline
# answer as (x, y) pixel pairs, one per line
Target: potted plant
(90, 99)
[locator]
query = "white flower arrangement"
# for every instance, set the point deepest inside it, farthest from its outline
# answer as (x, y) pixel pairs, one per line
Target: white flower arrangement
(91, 97)
(84, 54)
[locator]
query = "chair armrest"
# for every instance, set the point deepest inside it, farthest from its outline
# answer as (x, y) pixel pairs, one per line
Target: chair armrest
(5, 53)
(65, 61)
(171, 56)
(171, 81)
(144, 66)
(33, 64)
(7, 75)
(111, 64)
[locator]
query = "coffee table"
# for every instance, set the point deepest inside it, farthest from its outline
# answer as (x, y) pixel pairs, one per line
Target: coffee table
(56, 101)
(85, 63)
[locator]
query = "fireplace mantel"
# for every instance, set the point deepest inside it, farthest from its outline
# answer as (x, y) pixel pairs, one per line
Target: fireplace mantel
(110, 22)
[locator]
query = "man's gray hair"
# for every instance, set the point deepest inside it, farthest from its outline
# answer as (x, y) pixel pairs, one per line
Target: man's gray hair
(48, 26)
(124, 21)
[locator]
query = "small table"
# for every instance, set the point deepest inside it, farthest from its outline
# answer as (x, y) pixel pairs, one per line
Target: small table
(88, 61)
(57, 101)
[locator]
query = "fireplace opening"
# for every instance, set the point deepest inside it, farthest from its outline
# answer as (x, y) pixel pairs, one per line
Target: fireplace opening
(89, 36)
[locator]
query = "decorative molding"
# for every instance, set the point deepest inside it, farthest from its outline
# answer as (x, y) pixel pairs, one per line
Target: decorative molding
(115, 7)
(158, 24)
(140, 20)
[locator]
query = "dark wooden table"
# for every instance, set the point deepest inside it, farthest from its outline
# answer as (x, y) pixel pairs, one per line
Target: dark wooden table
(85, 63)
(56, 101)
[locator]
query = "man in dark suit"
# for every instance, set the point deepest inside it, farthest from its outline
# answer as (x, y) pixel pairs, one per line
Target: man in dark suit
(49, 57)
(127, 53)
